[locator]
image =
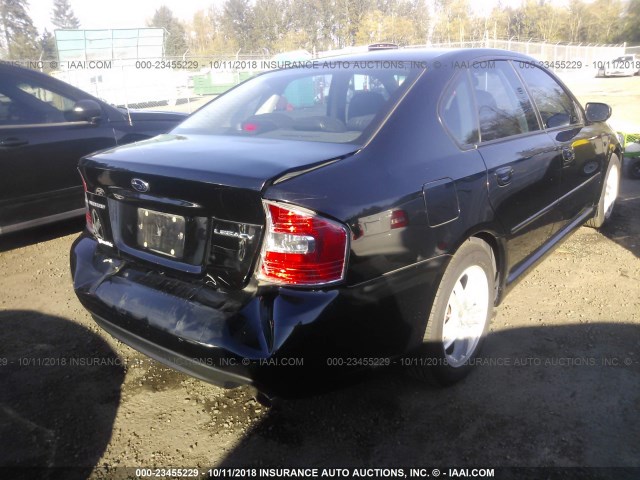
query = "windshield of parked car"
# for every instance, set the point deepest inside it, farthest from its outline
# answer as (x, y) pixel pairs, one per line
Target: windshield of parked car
(338, 105)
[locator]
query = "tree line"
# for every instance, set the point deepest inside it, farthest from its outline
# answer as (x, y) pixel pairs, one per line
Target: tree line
(280, 25)
(271, 26)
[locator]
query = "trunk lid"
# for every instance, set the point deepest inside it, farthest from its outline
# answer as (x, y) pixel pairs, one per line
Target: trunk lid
(193, 203)
(237, 162)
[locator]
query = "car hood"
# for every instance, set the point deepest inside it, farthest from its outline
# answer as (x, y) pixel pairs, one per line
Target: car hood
(223, 160)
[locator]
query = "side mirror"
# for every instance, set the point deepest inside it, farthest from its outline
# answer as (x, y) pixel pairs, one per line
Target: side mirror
(597, 112)
(84, 111)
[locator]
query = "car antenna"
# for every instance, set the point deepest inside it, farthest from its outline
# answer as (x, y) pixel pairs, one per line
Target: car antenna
(126, 106)
(126, 101)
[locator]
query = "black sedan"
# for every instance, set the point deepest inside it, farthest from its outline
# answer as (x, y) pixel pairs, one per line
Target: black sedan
(359, 211)
(46, 126)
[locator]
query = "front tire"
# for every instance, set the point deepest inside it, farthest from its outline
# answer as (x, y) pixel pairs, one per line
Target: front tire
(608, 195)
(459, 317)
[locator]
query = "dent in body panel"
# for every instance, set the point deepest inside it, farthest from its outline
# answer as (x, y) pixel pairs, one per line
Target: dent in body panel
(245, 323)
(259, 322)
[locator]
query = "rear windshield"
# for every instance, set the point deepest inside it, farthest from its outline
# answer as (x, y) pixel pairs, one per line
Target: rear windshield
(337, 105)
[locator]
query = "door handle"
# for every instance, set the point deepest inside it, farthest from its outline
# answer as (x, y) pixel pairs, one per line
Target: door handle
(13, 142)
(568, 156)
(504, 176)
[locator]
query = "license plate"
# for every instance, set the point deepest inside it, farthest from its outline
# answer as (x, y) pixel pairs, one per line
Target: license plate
(161, 232)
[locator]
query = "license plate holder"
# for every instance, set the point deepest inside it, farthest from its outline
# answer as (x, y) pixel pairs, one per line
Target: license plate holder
(162, 233)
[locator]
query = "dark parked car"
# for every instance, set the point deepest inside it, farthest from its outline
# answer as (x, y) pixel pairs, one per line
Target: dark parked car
(279, 234)
(46, 126)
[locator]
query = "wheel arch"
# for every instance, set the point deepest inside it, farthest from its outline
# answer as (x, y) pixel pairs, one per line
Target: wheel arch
(499, 256)
(618, 152)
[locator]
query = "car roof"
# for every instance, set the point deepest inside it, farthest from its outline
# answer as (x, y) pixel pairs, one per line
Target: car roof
(429, 54)
(10, 69)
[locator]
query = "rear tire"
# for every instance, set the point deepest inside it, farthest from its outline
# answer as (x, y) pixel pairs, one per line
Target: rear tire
(459, 317)
(608, 195)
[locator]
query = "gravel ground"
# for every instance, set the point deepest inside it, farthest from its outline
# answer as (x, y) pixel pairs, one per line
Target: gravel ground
(560, 385)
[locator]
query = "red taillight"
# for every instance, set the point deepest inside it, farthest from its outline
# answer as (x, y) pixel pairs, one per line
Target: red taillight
(87, 214)
(399, 219)
(302, 248)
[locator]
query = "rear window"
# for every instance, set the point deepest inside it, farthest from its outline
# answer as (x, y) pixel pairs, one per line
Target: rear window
(337, 105)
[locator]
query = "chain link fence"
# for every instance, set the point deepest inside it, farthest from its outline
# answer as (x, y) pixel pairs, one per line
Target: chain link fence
(557, 56)
(167, 83)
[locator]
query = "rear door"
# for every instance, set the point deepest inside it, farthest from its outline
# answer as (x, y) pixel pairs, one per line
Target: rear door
(521, 160)
(39, 152)
(581, 148)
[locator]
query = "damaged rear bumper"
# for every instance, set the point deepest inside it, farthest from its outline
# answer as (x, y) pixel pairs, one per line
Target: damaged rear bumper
(273, 338)
(195, 367)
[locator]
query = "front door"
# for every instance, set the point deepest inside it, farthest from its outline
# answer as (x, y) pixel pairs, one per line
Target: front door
(581, 148)
(521, 160)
